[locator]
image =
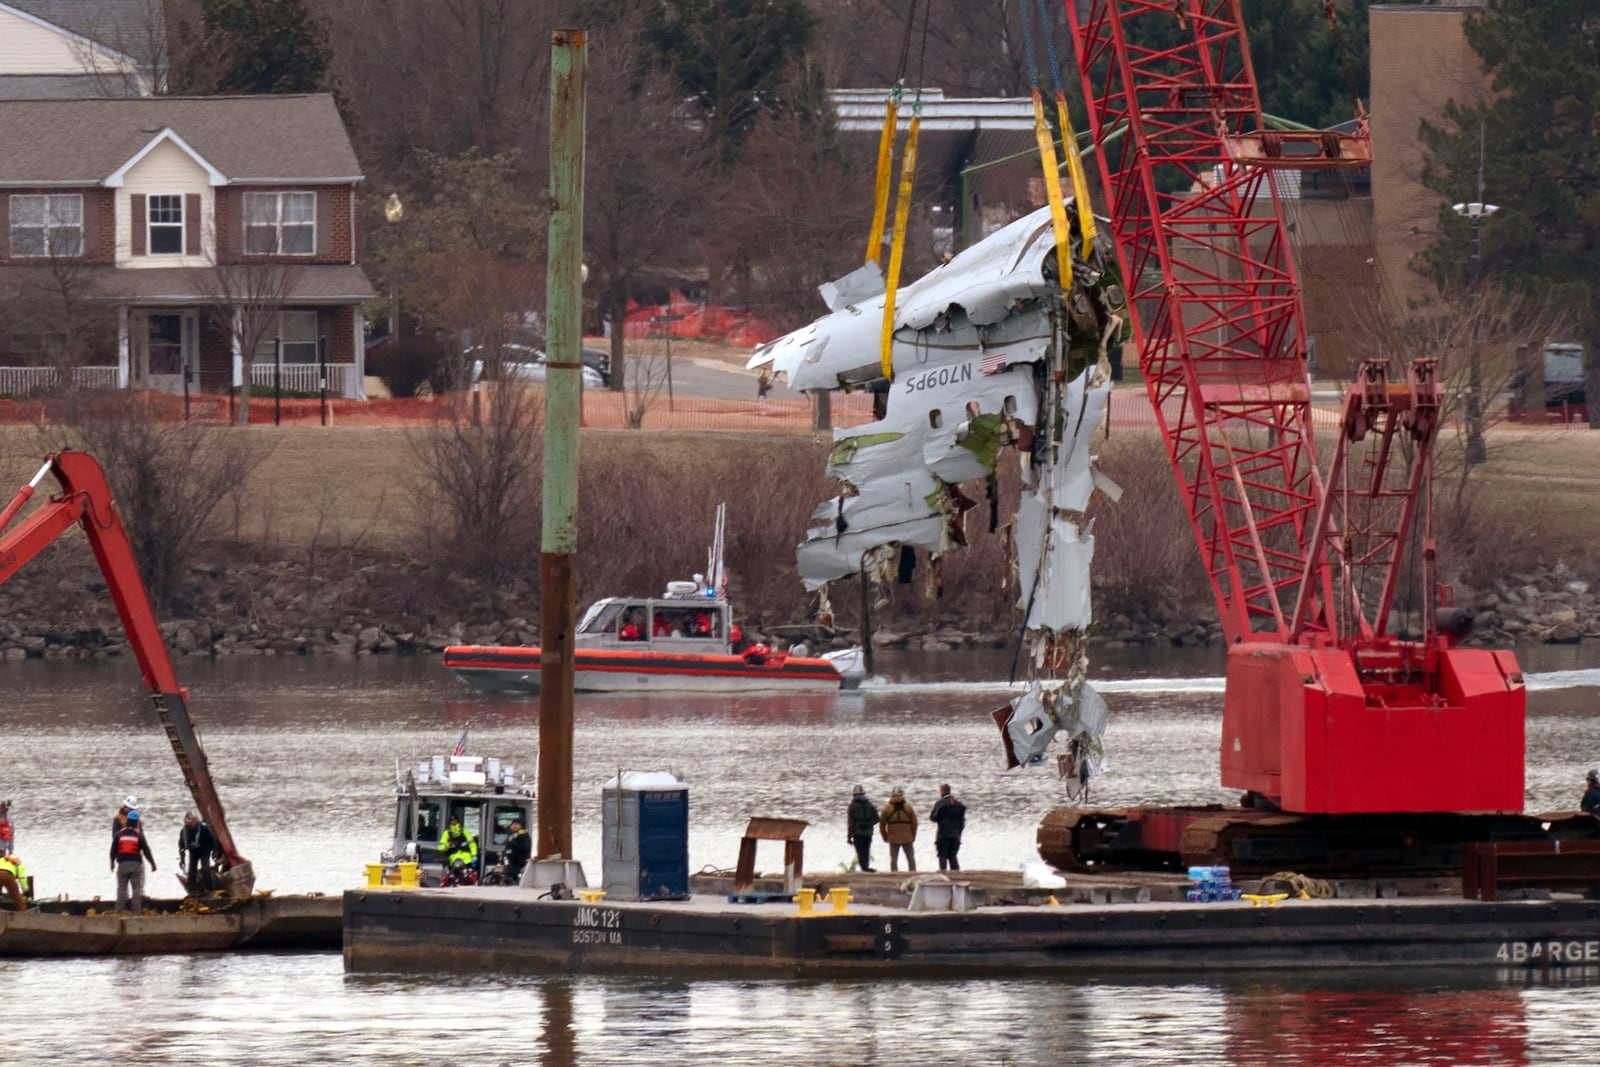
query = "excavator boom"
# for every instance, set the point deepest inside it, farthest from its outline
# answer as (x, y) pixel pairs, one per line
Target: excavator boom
(85, 500)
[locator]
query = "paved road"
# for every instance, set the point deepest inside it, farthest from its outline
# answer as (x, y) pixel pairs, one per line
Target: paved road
(701, 376)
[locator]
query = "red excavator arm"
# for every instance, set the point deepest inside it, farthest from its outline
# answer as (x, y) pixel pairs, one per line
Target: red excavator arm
(85, 500)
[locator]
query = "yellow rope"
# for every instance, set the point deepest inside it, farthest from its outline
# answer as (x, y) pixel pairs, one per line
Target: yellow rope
(1080, 184)
(897, 245)
(1052, 187)
(880, 207)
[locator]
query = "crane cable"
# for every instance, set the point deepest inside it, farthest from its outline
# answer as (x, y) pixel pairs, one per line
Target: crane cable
(902, 207)
(1047, 157)
(891, 118)
(1087, 227)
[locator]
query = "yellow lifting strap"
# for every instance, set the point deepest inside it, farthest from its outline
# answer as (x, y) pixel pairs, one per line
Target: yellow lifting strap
(897, 245)
(1052, 187)
(1080, 184)
(880, 206)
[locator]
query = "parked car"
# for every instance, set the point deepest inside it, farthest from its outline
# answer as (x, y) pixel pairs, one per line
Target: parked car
(523, 363)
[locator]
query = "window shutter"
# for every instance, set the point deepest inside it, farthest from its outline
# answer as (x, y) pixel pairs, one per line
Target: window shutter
(324, 222)
(5, 227)
(191, 223)
(91, 223)
(231, 249)
(137, 218)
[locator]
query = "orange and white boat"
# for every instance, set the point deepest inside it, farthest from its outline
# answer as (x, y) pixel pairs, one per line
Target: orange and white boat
(682, 641)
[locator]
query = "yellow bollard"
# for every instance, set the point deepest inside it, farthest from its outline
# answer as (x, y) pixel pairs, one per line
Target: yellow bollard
(839, 896)
(591, 896)
(805, 898)
(1269, 899)
(374, 874)
(410, 876)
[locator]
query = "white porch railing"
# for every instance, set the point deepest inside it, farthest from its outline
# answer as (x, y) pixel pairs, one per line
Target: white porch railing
(21, 381)
(302, 377)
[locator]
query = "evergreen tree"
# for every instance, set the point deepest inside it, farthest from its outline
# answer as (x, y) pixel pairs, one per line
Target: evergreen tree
(254, 46)
(1540, 160)
(731, 56)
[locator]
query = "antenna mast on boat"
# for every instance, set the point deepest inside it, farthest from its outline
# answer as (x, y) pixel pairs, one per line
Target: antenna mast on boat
(714, 575)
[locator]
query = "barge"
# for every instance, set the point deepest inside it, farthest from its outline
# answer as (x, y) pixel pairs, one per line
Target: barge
(90, 928)
(507, 929)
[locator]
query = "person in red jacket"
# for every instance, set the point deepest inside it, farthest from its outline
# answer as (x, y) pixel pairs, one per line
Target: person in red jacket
(129, 851)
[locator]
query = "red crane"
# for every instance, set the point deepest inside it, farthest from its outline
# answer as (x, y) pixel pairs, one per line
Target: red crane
(1327, 712)
(85, 501)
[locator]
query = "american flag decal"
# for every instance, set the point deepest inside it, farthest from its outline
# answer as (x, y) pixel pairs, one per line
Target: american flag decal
(993, 362)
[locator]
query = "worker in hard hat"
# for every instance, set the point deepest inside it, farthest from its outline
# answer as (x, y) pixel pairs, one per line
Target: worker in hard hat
(1591, 794)
(197, 849)
(129, 851)
(14, 881)
(120, 819)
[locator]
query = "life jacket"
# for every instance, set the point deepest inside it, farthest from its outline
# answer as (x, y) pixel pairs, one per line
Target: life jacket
(128, 841)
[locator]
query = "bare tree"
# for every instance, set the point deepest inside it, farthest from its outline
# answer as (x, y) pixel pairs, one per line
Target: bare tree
(143, 61)
(790, 218)
(966, 47)
(1495, 324)
(168, 478)
(61, 308)
(645, 180)
(469, 254)
(443, 76)
(652, 374)
(475, 492)
(246, 299)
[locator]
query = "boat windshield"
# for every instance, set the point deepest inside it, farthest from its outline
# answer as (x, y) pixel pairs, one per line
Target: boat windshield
(601, 618)
(500, 827)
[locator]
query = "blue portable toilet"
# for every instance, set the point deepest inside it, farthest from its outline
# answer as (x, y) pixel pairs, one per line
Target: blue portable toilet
(644, 830)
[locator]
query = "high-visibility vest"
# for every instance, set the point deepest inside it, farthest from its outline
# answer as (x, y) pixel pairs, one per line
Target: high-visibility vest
(128, 841)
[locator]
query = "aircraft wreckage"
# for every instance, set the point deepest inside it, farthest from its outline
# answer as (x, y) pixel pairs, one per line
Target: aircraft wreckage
(988, 352)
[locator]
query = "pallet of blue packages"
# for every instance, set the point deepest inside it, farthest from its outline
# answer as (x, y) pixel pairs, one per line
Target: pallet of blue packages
(759, 898)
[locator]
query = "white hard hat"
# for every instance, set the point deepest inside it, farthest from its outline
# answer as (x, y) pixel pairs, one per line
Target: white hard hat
(130, 801)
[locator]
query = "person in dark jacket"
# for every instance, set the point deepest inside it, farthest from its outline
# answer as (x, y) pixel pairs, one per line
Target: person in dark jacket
(197, 850)
(519, 848)
(862, 820)
(898, 825)
(129, 851)
(1591, 794)
(950, 816)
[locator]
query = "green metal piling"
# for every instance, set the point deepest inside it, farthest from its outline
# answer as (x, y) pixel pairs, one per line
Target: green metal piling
(564, 341)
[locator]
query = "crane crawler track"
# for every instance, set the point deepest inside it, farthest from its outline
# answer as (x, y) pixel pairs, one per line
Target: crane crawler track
(1256, 841)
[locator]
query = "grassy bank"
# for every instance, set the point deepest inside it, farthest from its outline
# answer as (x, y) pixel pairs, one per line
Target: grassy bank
(331, 502)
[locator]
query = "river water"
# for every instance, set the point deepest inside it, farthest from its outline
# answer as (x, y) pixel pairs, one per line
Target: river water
(304, 751)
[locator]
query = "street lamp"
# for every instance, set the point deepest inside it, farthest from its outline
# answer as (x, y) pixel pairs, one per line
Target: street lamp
(393, 211)
(1475, 213)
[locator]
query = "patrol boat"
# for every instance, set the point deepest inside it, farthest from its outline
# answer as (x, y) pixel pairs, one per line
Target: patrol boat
(485, 793)
(682, 641)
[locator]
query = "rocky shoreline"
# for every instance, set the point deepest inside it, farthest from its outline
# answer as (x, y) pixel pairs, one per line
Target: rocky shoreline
(284, 609)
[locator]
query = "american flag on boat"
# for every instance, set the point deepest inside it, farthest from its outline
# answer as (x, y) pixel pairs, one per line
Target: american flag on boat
(993, 362)
(461, 742)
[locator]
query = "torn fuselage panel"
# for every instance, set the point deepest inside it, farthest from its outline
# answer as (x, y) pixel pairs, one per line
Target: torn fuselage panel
(985, 353)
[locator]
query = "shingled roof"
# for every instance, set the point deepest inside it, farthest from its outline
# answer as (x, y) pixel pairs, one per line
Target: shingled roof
(132, 27)
(246, 138)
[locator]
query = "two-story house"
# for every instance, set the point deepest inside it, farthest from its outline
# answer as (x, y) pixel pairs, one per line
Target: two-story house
(180, 218)
(76, 48)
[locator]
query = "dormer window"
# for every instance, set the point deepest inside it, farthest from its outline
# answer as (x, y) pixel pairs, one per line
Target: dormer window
(280, 224)
(47, 225)
(166, 225)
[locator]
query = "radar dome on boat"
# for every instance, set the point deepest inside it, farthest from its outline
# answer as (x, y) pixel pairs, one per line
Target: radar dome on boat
(681, 589)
